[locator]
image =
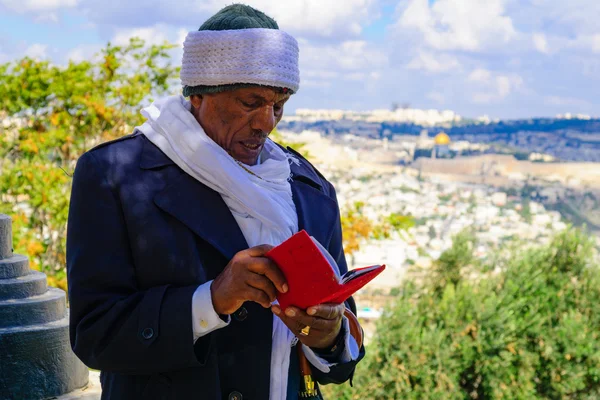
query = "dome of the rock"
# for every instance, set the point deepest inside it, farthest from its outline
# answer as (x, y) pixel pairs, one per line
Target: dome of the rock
(441, 139)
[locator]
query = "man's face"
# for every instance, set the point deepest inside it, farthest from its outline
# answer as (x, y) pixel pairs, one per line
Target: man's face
(240, 120)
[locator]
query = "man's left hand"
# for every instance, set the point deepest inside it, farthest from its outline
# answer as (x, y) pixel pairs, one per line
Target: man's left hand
(324, 320)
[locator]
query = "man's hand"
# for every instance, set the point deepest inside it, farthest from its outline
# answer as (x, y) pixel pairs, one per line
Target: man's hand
(325, 322)
(249, 276)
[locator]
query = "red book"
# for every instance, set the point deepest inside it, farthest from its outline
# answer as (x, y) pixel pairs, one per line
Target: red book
(310, 276)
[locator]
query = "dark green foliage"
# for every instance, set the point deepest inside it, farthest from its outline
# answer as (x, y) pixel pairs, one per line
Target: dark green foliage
(400, 222)
(57, 113)
(448, 268)
(530, 331)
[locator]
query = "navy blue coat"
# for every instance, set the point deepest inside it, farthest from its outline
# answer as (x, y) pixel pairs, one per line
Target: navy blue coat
(142, 235)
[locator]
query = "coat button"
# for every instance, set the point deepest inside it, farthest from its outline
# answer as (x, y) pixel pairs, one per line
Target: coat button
(148, 333)
(235, 396)
(240, 314)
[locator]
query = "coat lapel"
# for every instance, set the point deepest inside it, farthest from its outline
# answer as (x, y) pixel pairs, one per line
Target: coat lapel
(203, 210)
(196, 205)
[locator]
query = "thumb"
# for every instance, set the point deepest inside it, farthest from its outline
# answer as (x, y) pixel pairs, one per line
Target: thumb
(259, 251)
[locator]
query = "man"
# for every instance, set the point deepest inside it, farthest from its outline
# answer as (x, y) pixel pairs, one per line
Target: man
(171, 294)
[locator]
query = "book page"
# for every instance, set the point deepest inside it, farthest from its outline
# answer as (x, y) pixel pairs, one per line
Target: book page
(355, 273)
(328, 257)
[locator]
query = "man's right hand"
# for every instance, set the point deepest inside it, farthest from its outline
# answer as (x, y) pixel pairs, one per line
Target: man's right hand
(249, 276)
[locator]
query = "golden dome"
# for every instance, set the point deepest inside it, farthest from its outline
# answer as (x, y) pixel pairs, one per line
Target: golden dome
(441, 139)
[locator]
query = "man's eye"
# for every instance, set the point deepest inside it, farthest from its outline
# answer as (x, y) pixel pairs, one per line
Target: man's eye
(250, 105)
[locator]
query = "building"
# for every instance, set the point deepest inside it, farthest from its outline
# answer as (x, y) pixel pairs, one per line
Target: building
(441, 146)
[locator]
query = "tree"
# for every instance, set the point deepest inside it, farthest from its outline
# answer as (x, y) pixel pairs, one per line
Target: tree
(356, 227)
(531, 331)
(449, 268)
(431, 232)
(400, 222)
(51, 115)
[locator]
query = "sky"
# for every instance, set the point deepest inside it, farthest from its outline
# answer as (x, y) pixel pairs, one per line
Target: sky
(501, 58)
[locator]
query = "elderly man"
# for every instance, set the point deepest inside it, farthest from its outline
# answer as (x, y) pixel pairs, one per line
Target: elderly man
(171, 294)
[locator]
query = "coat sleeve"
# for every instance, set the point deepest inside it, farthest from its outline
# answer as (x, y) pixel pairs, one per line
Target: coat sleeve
(115, 326)
(341, 372)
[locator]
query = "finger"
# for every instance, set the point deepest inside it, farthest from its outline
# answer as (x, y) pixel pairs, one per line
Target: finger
(266, 267)
(294, 325)
(262, 283)
(258, 251)
(257, 296)
(327, 311)
(301, 319)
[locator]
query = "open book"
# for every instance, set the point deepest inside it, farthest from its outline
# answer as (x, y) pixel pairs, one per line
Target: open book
(312, 274)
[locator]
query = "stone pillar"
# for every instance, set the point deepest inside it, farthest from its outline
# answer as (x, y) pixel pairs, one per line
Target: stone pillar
(36, 361)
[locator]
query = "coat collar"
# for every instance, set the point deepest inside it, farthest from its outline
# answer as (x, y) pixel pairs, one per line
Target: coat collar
(203, 210)
(303, 171)
(317, 212)
(152, 157)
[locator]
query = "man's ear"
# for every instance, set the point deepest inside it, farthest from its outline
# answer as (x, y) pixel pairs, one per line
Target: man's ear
(196, 100)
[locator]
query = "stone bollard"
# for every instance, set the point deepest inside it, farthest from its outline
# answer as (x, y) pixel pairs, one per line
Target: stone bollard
(36, 360)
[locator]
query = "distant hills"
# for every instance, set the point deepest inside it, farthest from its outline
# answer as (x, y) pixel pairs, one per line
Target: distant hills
(458, 128)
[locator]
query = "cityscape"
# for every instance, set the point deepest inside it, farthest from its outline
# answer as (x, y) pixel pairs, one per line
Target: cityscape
(524, 186)
(566, 137)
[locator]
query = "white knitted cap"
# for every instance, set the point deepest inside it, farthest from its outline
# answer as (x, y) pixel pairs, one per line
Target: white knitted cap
(259, 56)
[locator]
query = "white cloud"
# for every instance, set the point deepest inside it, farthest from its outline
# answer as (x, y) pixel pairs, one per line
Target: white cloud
(350, 63)
(351, 55)
(566, 101)
(318, 17)
(596, 43)
(319, 74)
(312, 83)
(570, 18)
(491, 86)
(23, 6)
(559, 25)
(156, 34)
(505, 85)
(471, 25)
(480, 75)
(432, 62)
(181, 35)
(475, 56)
(355, 76)
(37, 51)
(588, 42)
(540, 43)
(308, 18)
(83, 52)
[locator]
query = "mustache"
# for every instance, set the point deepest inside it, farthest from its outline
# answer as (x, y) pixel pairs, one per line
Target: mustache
(260, 134)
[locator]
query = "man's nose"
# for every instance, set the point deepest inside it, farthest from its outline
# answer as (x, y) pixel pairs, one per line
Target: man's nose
(265, 120)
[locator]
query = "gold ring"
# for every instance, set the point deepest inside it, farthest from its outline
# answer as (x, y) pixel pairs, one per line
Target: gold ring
(305, 331)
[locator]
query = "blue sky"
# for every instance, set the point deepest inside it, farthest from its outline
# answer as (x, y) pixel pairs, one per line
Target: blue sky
(501, 58)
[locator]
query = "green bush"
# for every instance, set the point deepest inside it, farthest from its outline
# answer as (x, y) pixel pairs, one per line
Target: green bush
(50, 114)
(530, 331)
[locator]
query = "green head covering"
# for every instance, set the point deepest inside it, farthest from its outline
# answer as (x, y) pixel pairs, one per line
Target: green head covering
(235, 16)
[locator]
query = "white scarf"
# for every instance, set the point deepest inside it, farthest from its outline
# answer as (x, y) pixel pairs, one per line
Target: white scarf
(263, 208)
